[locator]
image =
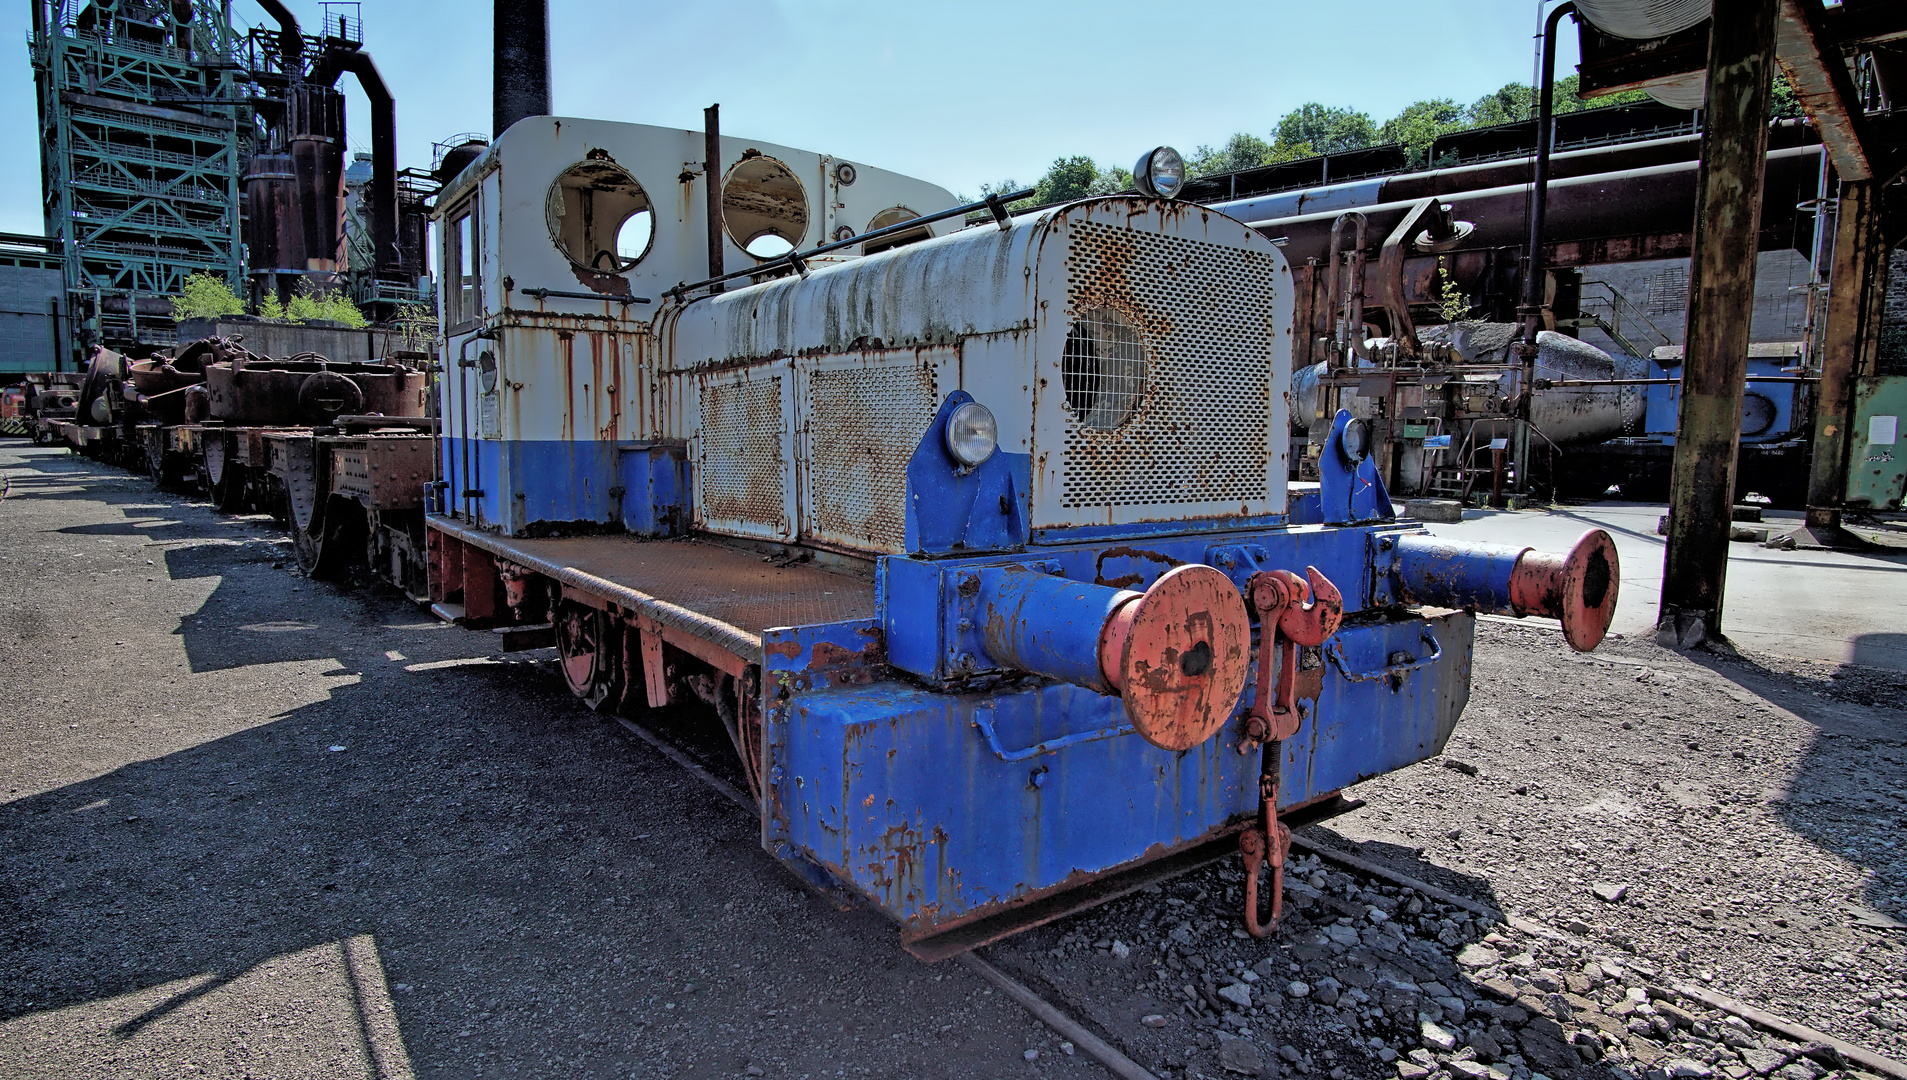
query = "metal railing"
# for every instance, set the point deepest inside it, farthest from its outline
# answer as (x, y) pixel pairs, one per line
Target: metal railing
(1617, 316)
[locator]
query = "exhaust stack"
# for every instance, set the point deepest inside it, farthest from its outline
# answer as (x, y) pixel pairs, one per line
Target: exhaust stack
(520, 62)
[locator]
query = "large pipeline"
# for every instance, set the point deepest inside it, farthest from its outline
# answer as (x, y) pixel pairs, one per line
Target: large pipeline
(1629, 202)
(1566, 415)
(325, 72)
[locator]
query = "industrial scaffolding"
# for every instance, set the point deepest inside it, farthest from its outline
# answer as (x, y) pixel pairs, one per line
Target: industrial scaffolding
(145, 124)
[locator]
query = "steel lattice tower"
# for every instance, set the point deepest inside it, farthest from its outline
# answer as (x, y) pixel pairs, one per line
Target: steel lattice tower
(144, 126)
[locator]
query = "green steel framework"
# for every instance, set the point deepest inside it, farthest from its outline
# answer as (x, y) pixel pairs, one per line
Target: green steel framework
(144, 125)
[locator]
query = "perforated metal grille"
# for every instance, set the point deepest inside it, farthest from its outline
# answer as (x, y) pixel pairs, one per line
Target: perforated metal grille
(742, 471)
(1203, 313)
(863, 425)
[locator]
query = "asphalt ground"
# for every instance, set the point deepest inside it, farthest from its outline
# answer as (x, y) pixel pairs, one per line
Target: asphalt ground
(256, 826)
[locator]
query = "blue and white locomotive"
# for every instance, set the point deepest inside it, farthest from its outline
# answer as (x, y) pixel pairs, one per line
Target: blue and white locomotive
(976, 536)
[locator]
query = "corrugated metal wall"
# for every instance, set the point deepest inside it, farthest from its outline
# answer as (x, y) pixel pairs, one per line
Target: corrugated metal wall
(30, 336)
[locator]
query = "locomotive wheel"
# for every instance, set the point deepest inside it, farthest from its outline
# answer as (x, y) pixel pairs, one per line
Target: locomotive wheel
(587, 648)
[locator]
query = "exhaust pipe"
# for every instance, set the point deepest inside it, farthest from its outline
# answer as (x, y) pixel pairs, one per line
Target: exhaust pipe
(520, 62)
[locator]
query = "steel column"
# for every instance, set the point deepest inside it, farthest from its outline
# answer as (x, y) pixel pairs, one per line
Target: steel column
(1856, 289)
(1741, 57)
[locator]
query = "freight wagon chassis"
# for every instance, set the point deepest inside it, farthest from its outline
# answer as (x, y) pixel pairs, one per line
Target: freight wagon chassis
(978, 744)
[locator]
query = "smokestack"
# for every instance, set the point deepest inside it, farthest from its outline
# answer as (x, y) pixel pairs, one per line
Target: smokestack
(520, 82)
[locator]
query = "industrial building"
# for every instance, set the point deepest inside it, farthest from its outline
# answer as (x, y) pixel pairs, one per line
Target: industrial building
(174, 141)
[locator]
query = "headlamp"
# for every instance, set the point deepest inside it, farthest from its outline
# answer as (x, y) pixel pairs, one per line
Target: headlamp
(1161, 173)
(972, 435)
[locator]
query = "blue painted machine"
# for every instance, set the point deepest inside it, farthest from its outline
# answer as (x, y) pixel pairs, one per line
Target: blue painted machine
(979, 545)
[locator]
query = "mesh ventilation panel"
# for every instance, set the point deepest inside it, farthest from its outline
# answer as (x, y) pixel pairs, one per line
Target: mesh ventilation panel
(863, 425)
(742, 473)
(1103, 368)
(1190, 323)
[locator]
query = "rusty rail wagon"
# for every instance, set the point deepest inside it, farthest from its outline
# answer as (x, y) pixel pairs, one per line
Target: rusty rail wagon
(341, 452)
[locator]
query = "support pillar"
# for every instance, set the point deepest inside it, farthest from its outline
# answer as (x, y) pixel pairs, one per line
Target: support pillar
(1856, 289)
(1741, 58)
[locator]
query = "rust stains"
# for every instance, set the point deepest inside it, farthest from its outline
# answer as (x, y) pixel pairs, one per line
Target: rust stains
(1125, 581)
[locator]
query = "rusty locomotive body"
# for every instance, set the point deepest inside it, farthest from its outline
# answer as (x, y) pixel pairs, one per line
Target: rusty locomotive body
(979, 543)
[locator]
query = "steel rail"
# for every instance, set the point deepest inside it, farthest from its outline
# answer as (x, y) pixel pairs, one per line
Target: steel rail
(1044, 1011)
(1800, 1033)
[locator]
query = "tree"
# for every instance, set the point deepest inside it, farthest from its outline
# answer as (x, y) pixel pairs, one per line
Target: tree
(1241, 151)
(1419, 125)
(1507, 105)
(1113, 181)
(1326, 129)
(205, 295)
(1070, 178)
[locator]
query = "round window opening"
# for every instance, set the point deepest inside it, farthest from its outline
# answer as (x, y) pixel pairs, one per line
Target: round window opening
(764, 207)
(1103, 369)
(599, 217)
(894, 216)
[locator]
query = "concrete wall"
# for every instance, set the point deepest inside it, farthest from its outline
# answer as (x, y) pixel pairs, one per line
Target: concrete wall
(31, 338)
(280, 340)
(1660, 288)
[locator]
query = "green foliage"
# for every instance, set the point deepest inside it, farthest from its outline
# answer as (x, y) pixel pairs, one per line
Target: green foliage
(1326, 129)
(1069, 178)
(313, 303)
(1451, 303)
(1786, 105)
(205, 296)
(1506, 105)
(1421, 123)
(416, 325)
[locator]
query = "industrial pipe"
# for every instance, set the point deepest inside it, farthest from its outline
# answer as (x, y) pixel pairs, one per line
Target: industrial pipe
(1659, 199)
(291, 40)
(1177, 654)
(1532, 311)
(712, 182)
(1578, 588)
(336, 62)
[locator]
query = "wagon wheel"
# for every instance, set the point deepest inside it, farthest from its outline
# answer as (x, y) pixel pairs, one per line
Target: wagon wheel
(306, 548)
(340, 537)
(228, 491)
(588, 648)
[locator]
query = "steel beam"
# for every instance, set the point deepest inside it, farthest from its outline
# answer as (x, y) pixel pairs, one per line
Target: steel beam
(1741, 59)
(1856, 289)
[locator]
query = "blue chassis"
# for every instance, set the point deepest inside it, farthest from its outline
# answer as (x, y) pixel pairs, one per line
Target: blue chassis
(965, 791)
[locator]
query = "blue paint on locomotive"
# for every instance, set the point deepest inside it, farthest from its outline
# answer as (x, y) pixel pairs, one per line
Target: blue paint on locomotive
(936, 629)
(945, 806)
(653, 487)
(949, 509)
(1350, 488)
(643, 486)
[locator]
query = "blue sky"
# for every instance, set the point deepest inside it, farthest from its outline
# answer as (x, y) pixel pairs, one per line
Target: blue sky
(958, 94)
